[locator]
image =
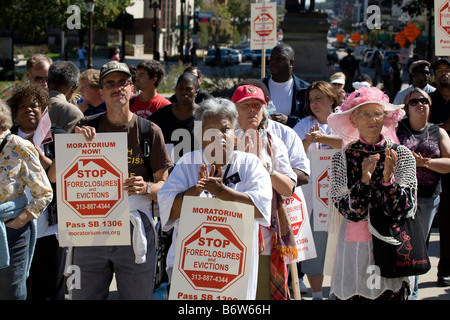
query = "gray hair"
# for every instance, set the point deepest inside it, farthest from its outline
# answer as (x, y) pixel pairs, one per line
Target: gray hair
(5, 114)
(63, 76)
(216, 106)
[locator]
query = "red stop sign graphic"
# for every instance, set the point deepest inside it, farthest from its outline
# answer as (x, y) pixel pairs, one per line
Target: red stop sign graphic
(212, 257)
(264, 24)
(444, 17)
(295, 202)
(92, 187)
(323, 184)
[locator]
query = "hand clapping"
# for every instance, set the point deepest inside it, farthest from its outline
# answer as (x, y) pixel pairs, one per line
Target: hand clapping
(207, 180)
(369, 165)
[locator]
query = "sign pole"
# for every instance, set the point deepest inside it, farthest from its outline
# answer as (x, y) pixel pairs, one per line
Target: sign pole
(294, 281)
(263, 63)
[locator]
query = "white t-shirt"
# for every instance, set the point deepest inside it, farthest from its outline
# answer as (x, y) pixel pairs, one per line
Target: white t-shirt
(294, 145)
(302, 128)
(255, 182)
(283, 166)
(281, 95)
(43, 229)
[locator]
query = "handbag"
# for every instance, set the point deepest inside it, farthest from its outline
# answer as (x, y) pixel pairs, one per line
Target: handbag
(409, 257)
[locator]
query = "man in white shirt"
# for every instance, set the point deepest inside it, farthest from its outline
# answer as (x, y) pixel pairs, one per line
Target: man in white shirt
(287, 91)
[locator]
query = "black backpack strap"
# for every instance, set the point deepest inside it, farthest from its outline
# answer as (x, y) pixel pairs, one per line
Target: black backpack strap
(132, 100)
(94, 120)
(145, 138)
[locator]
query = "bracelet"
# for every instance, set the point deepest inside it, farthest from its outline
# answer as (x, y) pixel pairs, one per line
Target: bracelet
(269, 168)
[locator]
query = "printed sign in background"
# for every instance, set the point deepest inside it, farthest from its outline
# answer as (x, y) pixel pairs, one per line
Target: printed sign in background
(263, 19)
(298, 215)
(92, 205)
(442, 27)
(320, 174)
(213, 252)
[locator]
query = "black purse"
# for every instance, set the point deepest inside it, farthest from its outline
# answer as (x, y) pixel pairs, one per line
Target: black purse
(409, 258)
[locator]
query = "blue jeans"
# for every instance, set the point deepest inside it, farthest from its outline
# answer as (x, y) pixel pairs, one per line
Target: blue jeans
(98, 264)
(13, 278)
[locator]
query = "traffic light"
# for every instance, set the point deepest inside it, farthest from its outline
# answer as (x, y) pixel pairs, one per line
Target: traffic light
(153, 26)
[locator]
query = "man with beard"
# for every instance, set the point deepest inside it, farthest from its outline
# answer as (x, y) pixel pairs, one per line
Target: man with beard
(440, 114)
(287, 91)
(149, 74)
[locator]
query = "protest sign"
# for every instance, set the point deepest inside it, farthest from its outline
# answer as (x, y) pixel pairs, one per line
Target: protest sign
(320, 175)
(263, 19)
(92, 205)
(298, 215)
(442, 28)
(213, 252)
(43, 134)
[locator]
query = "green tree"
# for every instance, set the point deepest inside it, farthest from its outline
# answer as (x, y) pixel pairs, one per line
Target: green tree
(415, 7)
(33, 18)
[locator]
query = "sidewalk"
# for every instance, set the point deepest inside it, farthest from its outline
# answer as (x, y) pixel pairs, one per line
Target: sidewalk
(428, 289)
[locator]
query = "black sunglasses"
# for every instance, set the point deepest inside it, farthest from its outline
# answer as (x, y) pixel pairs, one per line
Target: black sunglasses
(415, 102)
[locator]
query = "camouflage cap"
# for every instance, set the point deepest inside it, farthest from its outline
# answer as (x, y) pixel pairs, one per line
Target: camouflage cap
(114, 66)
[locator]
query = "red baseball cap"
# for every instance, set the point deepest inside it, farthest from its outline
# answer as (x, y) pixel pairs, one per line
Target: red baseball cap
(248, 92)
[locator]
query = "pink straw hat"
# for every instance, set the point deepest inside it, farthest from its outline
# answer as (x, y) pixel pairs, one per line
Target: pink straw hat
(339, 121)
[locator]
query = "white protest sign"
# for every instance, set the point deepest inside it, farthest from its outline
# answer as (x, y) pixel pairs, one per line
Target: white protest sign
(320, 174)
(263, 19)
(213, 251)
(298, 215)
(442, 27)
(92, 205)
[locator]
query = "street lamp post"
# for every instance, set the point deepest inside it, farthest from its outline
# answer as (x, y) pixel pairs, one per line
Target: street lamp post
(90, 4)
(155, 5)
(182, 31)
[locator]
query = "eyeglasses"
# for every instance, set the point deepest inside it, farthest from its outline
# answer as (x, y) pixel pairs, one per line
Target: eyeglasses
(378, 115)
(40, 79)
(415, 102)
(425, 72)
(121, 83)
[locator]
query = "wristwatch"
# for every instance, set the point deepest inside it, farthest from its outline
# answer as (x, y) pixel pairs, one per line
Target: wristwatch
(269, 168)
(149, 187)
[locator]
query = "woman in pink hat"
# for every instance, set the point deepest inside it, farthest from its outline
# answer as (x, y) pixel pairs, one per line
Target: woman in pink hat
(372, 178)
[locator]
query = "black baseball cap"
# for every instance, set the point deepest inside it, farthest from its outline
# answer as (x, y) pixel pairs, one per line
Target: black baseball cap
(441, 61)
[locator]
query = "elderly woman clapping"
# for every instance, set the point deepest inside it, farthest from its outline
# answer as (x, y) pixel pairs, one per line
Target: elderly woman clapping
(217, 170)
(371, 179)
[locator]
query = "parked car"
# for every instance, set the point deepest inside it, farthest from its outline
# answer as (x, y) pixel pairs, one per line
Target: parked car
(366, 58)
(332, 56)
(390, 53)
(359, 52)
(236, 56)
(247, 53)
(256, 57)
(339, 45)
(210, 59)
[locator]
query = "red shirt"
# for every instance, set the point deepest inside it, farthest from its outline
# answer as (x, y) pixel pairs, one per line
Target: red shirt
(145, 109)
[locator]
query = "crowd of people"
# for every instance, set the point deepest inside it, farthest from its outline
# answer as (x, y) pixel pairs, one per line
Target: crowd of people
(392, 163)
